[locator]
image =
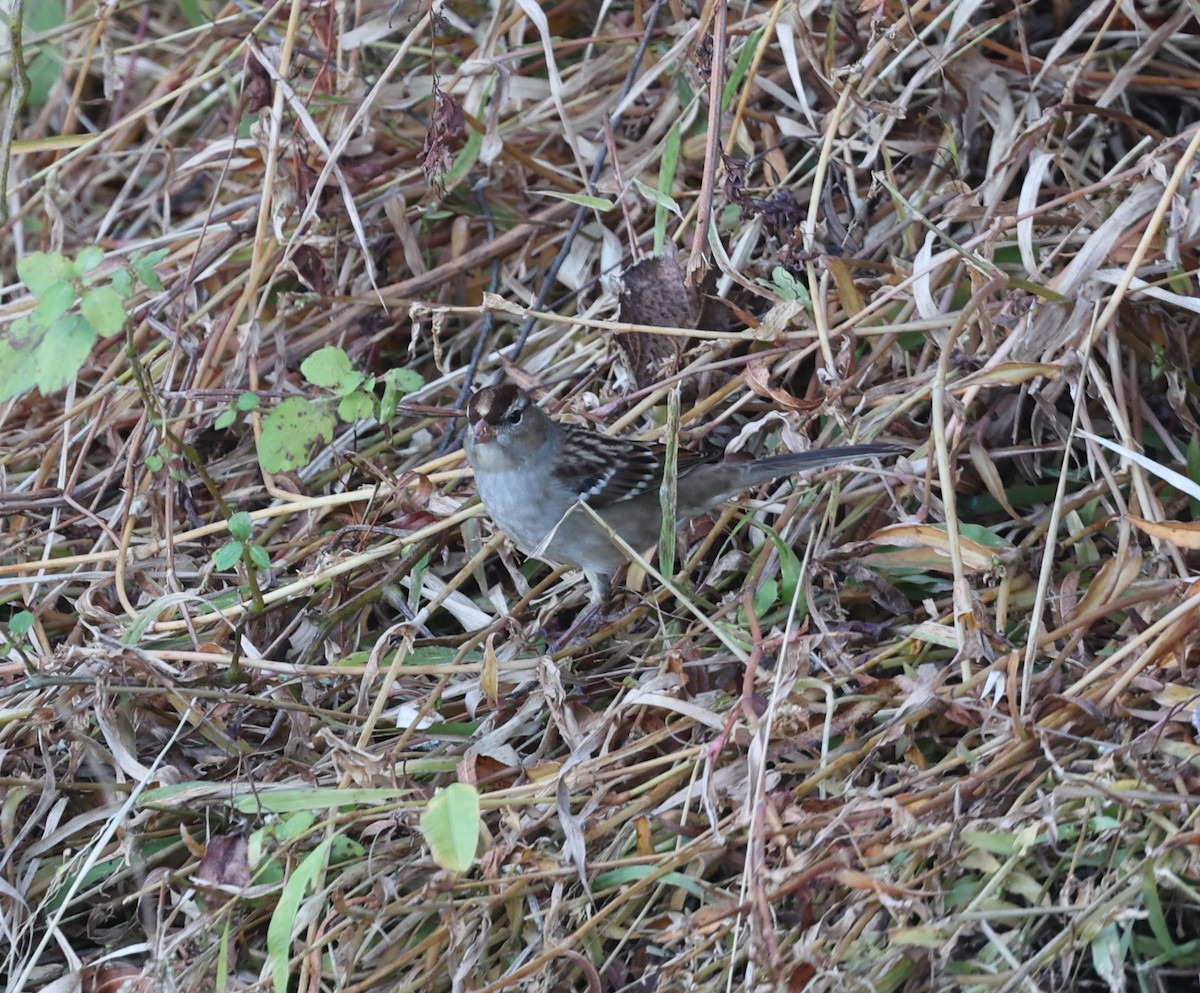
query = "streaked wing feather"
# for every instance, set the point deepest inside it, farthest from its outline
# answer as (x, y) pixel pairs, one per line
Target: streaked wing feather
(604, 470)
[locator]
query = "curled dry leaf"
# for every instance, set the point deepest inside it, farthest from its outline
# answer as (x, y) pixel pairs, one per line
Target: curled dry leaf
(1184, 534)
(758, 378)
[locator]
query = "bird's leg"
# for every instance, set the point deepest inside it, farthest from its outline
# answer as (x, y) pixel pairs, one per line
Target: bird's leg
(593, 616)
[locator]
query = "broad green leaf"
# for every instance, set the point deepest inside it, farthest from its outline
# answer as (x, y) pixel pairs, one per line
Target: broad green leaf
(88, 259)
(41, 270)
(18, 366)
(405, 380)
(355, 407)
(327, 367)
(450, 826)
(104, 310)
(62, 352)
(260, 556)
(292, 433)
(227, 556)
(21, 623)
(53, 302)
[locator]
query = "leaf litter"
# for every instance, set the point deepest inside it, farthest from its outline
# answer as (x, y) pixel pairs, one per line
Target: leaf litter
(957, 752)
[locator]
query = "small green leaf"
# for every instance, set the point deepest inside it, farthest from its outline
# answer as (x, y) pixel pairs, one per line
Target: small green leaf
(227, 556)
(104, 310)
(247, 402)
(18, 366)
(21, 623)
(579, 199)
(404, 380)
(260, 557)
(62, 352)
(144, 265)
(788, 286)
(88, 259)
(356, 407)
(327, 367)
(122, 283)
(658, 198)
(53, 302)
(40, 270)
(225, 419)
(154, 463)
(396, 383)
(241, 526)
(450, 826)
(292, 433)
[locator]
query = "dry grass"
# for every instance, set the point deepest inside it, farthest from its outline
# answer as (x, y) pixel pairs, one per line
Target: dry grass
(957, 754)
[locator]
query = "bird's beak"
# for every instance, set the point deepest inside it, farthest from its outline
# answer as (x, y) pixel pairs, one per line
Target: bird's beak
(482, 432)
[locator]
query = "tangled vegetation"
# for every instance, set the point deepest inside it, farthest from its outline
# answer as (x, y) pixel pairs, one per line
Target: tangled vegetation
(279, 708)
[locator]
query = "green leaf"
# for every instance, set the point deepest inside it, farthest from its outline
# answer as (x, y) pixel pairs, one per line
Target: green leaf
(40, 270)
(260, 556)
(55, 301)
(404, 380)
(579, 199)
(765, 597)
(788, 286)
(21, 623)
(144, 265)
(225, 419)
(396, 383)
(247, 402)
(450, 826)
(279, 931)
(356, 407)
(18, 365)
(465, 160)
(88, 259)
(327, 367)
(46, 65)
(666, 182)
(62, 352)
(122, 283)
(292, 433)
(739, 70)
(197, 13)
(658, 198)
(227, 556)
(154, 463)
(241, 526)
(104, 310)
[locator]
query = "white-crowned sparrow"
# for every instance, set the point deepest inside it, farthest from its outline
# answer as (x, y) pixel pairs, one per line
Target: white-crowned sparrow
(532, 472)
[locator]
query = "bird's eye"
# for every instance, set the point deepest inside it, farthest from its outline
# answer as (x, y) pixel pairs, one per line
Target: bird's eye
(513, 416)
